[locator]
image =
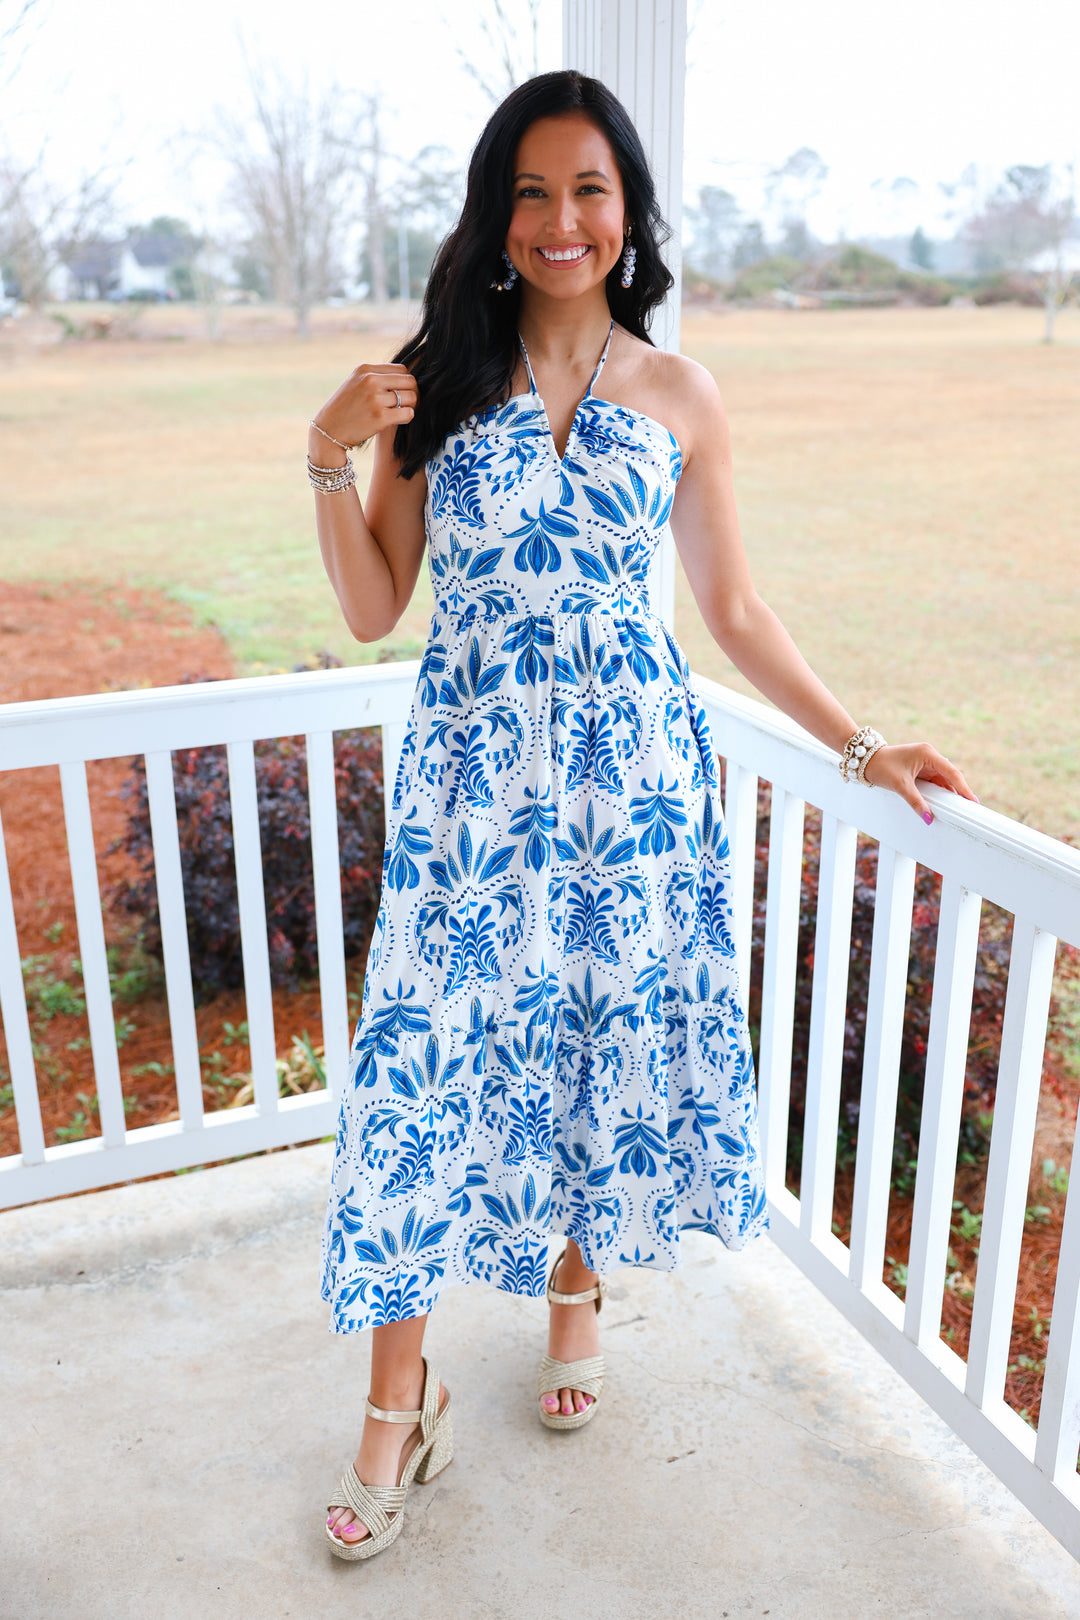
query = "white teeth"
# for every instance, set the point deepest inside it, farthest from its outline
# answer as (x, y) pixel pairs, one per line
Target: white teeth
(557, 255)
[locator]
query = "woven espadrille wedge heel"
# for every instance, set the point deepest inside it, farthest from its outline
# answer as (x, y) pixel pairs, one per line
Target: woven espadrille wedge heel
(586, 1374)
(382, 1507)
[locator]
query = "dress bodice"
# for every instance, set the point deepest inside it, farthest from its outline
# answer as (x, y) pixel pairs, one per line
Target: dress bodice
(512, 527)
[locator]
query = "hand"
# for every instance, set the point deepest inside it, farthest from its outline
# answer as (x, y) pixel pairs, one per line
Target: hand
(364, 404)
(902, 765)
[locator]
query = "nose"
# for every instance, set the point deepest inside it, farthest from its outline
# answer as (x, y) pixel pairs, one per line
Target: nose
(563, 217)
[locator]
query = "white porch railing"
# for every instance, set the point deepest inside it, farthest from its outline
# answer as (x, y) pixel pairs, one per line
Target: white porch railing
(979, 854)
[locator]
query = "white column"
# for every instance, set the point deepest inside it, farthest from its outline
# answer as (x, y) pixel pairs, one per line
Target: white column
(638, 49)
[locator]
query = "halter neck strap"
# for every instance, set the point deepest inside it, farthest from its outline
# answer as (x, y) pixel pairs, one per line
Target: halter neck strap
(592, 381)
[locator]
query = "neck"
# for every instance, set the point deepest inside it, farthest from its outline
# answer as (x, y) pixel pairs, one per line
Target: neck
(564, 332)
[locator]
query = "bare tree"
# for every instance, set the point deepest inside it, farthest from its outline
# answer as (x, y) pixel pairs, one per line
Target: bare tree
(715, 222)
(14, 18)
(791, 188)
(511, 29)
(295, 161)
(1026, 224)
(43, 225)
(374, 209)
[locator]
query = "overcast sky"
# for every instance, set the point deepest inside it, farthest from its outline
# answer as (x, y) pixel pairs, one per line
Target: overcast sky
(884, 93)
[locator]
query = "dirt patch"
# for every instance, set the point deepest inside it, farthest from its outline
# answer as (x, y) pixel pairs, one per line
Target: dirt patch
(63, 641)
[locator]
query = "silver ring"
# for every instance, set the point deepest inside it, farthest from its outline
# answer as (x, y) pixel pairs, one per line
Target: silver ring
(397, 397)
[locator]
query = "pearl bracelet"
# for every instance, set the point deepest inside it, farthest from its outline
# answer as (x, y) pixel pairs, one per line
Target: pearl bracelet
(859, 750)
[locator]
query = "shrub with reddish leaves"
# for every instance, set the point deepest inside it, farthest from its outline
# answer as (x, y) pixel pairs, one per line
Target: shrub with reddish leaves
(988, 1002)
(204, 817)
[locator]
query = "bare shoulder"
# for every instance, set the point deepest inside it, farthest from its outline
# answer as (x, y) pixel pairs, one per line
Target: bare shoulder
(676, 391)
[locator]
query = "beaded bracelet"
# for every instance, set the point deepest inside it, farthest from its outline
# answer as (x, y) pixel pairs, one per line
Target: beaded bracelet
(346, 447)
(859, 750)
(330, 479)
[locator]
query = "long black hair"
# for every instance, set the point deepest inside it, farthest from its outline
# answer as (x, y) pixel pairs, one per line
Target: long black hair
(464, 353)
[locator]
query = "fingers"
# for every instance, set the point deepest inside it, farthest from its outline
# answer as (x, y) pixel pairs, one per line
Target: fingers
(902, 766)
(373, 398)
(946, 775)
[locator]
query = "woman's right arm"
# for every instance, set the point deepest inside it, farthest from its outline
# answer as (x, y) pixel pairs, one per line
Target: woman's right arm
(372, 553)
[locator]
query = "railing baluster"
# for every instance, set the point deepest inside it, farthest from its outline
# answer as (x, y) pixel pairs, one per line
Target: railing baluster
(740, 816)
(161, 797)
(1023, 1038)
(828, 1011)
(1058, 1439)
(326, 867)
(247, 848)
(20, 1049)
(95, 966)
(939, 1131)
(885, 999)
(778, 982)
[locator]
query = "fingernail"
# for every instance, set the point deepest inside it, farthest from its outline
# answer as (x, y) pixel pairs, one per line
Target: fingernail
(927, 817)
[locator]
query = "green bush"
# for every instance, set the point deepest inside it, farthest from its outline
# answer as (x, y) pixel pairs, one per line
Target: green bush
(757, 280)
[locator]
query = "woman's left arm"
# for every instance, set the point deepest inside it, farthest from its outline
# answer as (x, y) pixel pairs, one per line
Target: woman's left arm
(705, 525)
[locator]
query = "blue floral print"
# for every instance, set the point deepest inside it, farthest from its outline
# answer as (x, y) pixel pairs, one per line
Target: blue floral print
(552, 1035)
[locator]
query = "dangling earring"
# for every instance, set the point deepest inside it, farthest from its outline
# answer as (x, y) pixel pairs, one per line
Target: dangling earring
(511, 272)
(629, 260)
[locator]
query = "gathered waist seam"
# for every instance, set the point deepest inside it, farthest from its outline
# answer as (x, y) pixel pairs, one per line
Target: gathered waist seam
(465, 621)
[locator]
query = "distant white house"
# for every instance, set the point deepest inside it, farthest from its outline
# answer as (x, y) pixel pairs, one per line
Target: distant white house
(138, 265)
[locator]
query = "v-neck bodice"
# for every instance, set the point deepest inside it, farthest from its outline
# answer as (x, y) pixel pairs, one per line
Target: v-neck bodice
(515, 529)
(587, 394)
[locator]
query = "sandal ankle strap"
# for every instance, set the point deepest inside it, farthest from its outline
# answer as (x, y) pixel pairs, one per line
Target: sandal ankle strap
(391, 1417)
(427, 1415)
(597, 1292)
(555, 1298)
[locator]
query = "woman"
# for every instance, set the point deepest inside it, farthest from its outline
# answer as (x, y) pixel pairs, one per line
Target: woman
(552, 1036)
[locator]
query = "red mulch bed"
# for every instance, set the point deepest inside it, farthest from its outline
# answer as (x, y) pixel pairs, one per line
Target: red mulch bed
(60, 641)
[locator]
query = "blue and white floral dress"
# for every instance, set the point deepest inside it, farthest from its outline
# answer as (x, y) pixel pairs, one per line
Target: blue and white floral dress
(552, 1035)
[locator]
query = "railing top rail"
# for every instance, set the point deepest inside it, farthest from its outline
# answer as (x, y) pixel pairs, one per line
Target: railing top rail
(1024, 870)
(51, 731)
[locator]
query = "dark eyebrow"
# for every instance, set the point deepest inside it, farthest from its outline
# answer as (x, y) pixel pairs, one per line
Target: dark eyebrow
(586, 174)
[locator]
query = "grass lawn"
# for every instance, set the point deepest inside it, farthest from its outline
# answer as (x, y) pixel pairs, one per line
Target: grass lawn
(908, 480)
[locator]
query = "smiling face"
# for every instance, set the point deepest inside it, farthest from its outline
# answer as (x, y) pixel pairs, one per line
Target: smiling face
(569, 221)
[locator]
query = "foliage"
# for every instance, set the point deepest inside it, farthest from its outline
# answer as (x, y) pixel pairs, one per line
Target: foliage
(856, 268)
(930, 291)
(750, 247)
(715, 223)
(204, 817)
(921, 249)
(762, 277)
(988, 1003)
(304, 1069)
(1007, 287)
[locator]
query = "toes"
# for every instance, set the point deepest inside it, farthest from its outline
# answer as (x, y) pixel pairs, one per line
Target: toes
(567, 1402)
(551, 1403)
(350, 1531)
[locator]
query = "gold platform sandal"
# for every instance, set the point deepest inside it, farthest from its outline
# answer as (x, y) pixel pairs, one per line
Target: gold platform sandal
(381, 1507)
(586, 1374)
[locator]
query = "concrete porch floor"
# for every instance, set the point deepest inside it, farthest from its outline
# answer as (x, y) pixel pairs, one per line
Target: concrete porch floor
(175, 1413)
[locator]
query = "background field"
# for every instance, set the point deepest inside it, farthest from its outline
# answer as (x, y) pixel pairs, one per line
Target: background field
(909, 484)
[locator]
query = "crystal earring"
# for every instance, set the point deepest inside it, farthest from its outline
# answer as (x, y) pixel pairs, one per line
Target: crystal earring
(511, 272)
(629, 261)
